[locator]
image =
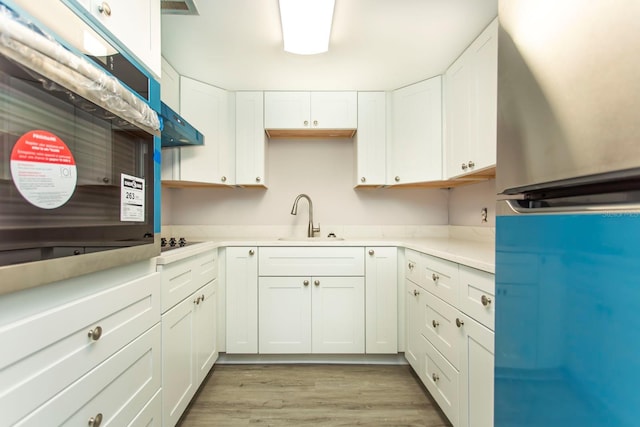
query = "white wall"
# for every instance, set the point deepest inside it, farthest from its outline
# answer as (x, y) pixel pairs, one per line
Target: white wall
(324, 170)
(466, 202)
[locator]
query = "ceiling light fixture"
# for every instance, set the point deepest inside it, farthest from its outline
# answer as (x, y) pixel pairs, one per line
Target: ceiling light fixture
(306, 25)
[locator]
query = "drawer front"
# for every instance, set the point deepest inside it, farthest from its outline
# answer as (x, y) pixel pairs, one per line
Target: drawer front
(441, 379)
(477, 295)
(438, 325)
(440, 277)
(311, 261)
(118, 389)
(412, 265)
(182, 278)
(54, 349)
(151, 414)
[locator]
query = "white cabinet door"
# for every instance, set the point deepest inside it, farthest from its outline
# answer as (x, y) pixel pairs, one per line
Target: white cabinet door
(442, 381)
(287, 110)
(476, 375)
(471, 106)
(136, 24)
(250, 139)
(413, 297)
(242, 300)
(206, 349)
(179, 381)
(285, 314)
(208, 109)
(371, 139)
(334, 110)
(381, 290)
(337, 312)
(170, 86)
(415, 151)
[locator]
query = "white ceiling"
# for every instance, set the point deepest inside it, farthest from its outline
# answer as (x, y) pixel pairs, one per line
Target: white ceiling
(375, 44)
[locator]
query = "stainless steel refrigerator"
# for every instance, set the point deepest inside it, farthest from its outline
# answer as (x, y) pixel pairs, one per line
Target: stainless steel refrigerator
(567, 344)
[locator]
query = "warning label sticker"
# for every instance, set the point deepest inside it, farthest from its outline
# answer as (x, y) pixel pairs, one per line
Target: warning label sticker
(43, 169)
(132, 198)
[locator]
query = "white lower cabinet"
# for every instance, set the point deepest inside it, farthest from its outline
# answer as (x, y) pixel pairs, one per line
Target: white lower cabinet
(381, 300)
(242, 300)
(449, 336)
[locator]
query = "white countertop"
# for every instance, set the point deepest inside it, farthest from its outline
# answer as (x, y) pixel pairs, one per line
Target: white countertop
(474, 254)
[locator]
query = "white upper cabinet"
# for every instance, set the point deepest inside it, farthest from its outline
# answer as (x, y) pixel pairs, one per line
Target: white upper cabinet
(414, 153)
(370, 140)
(471, 106)
(211, 110)
(136, 24)
(250, 139)
(170, 86)
(310, 111)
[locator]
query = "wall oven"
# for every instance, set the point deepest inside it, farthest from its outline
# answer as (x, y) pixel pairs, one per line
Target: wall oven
(76, 155)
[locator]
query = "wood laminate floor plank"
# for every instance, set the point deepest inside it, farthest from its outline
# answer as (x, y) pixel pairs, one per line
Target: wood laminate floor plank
(318, 395)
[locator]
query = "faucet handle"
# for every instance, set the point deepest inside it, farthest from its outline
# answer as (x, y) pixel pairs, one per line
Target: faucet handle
(315, 229)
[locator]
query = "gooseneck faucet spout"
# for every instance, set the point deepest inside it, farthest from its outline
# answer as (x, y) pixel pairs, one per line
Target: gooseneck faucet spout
(294, 211)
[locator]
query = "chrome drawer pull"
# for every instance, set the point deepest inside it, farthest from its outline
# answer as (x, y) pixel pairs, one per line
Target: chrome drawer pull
(435, 377)
(459, 322)
(435, 277)
(95, 333)
(435, 323)
(485, 300)
(415, 293)
(95, 421)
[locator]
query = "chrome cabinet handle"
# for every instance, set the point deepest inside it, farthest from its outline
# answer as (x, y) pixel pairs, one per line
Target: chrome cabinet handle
(223, 179)
(435, 377)
(306, 122)
(471, 164)
(95, 333)
(258, 179)
(104, 8)
(371, 252)
(95, 421)
(464, 166)
(410, 266)
(363, 179)
(485, 300)
(306, 283)
(435, 324)
(316, 282)
(315, 123)
(202, 297)
(251, 252)
(397, 179)
(435, 277)
(196, 301)
(459, 322)
(416, 293)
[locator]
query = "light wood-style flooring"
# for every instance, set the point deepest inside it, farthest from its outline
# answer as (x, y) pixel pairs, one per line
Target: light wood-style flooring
(318, 395)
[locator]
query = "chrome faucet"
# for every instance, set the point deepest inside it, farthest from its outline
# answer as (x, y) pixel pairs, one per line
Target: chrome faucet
(294, 211)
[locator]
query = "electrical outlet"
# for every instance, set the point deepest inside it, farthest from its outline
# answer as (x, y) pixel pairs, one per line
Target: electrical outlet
(483, 214)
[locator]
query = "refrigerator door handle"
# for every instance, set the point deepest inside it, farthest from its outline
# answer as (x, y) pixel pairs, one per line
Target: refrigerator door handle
(517, 208)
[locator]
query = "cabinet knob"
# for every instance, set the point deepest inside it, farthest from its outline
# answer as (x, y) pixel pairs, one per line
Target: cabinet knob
(371, 252)
(435, 377)
(258, 179)
(306, 283)
(105, 180)
(95, 421)
(464, 166)
(306, 122)
(410, 266)
(416, 293)
(471, 164)
(316, 282)
(95, 333)
(363, 179)
(315, 123)
(104, 8)
(397, 178)
(485, 300)
(252, 252)
(459, 322)
(435, 277)
(223, 179)
(435, 323)
(202, 297)
(196, 301)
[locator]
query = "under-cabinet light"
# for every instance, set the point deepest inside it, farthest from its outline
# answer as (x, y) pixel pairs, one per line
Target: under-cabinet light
(306, 25)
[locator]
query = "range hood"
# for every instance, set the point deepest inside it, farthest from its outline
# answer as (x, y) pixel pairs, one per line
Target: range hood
(176, 131)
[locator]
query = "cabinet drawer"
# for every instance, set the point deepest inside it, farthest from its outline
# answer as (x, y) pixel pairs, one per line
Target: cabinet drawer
(47, 352)
(477, 295)
(440, 277)
(181, 278)
(118, 389)
(441, 379)
(438, 325)
(413, 265)
(151, 414)
(311, 261)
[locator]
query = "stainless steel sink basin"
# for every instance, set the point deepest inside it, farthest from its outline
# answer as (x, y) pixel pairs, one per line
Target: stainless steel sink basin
(311, 239)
